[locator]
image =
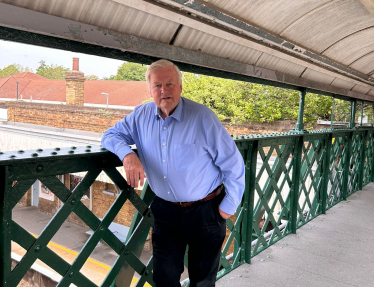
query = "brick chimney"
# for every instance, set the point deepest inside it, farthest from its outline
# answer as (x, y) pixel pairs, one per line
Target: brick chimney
(75, 85)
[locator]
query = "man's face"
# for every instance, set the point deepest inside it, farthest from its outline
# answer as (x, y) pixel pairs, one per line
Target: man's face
(165, 89)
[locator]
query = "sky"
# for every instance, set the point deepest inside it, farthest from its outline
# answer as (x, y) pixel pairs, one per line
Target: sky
(30, 56)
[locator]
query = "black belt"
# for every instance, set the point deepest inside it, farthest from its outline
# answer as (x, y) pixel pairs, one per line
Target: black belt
(211, 195)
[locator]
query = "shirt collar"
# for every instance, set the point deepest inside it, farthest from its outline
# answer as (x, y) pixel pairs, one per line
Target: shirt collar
(177, 114)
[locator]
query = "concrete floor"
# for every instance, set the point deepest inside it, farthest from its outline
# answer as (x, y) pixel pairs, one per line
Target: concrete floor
(335, 249)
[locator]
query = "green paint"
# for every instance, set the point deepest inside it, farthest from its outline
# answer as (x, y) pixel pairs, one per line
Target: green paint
(312, 157)
(300, 116)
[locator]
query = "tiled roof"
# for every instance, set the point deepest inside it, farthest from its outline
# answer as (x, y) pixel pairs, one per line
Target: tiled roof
(3, 80)
(122, 93)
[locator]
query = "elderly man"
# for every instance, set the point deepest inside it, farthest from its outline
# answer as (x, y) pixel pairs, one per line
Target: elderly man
(193, 166)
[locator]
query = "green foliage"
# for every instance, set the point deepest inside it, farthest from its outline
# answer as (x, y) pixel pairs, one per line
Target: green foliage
(52, 72)
(12, 69)
(241, 101)
(130, 72)
(342, 111)
(92, 78)
(317, 107)
(106, 113)
(111, 78)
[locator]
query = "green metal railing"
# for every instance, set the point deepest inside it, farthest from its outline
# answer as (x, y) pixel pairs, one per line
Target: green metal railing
(291, 178)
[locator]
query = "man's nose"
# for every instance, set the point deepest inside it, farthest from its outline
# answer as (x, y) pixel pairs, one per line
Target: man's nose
(163, 89)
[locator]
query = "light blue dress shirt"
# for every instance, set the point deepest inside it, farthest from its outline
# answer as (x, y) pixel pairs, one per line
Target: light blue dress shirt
(186, 156)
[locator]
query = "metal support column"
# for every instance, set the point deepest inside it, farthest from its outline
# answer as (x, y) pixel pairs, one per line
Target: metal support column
(362, 158)
(372, 159)
(5, 243)
(2, 227)
(300, 116)
(326, 172)
(332, 114)
(353, 113)
(250, 171)
(299, 141)
(362, 112)
(347, 165)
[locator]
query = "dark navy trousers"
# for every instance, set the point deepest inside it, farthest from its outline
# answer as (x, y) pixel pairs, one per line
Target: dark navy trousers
(201, 227)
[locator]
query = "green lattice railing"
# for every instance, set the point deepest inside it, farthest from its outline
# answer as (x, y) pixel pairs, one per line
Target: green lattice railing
(290, 179)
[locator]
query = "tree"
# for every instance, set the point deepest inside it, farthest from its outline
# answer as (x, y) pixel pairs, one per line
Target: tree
(241, 101)
(13, 69)
(92, 78)
(111, 78)
(130, 72)
(53, 72)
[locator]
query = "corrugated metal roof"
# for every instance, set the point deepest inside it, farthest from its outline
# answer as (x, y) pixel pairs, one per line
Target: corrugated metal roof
(326, 45)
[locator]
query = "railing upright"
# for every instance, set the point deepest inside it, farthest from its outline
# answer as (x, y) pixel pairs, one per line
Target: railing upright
(3, 232)
(250, 169)
(347, 164)
(326, 172)
(372, 159)
(5, 225)
(296, 157)
(363, 149)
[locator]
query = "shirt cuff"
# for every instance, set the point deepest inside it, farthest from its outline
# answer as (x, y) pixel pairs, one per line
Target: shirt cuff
(124, 151)
(227, 206)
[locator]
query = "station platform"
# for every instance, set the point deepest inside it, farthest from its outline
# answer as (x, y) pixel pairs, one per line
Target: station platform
(67, 243)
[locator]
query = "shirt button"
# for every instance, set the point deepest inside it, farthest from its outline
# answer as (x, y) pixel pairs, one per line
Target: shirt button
(163, 160)
(168, 192)
(164, 176)
(164, 128)
(163, 144)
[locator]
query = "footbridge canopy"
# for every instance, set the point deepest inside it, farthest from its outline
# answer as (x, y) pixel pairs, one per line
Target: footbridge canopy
(322, 45)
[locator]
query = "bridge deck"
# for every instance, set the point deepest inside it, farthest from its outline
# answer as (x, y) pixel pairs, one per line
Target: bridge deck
(335, 249)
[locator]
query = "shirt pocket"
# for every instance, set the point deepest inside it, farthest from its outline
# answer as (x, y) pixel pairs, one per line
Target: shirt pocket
(184, 156)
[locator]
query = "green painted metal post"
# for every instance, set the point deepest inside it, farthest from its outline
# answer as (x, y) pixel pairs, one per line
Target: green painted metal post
(251, 164)
(5, 231)
(299, 141)
(332, 113)
(326, 173)
(362, 112)
(2, 228)
(245, 151)
(372, 160)
(362, 164)
(347, 165)
(353, 113)
(300, 116)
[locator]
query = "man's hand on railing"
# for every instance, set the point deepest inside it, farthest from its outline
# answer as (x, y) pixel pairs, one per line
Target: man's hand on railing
(134, 170)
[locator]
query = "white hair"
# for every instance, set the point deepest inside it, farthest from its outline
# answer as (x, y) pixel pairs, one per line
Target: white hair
(162, 63)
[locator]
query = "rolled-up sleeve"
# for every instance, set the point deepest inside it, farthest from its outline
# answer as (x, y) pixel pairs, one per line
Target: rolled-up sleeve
(118, 138)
